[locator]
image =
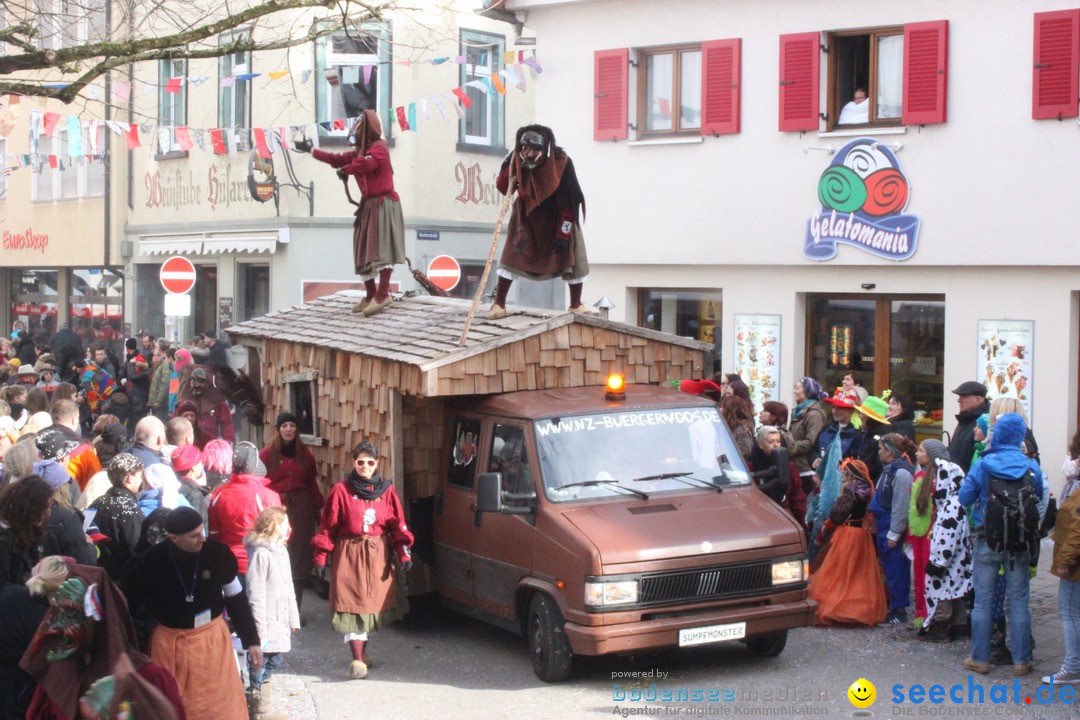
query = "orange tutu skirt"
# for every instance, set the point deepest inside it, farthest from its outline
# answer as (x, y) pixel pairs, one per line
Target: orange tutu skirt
(848, 587)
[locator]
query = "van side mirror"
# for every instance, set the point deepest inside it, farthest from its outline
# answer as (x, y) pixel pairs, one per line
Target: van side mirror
(489, 492)
(783, 470)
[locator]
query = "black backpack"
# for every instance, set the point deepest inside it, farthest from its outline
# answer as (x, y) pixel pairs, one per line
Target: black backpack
(1012, 514)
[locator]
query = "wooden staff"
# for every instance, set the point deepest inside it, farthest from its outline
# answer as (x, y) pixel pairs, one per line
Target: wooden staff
(491, 254)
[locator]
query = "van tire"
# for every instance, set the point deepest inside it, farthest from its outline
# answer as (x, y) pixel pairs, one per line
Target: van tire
(769, 645)
(548, 644)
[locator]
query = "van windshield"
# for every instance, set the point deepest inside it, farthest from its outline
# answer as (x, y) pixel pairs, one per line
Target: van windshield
(581, 456)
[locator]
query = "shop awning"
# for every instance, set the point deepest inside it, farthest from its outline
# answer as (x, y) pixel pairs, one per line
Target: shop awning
(214, 243)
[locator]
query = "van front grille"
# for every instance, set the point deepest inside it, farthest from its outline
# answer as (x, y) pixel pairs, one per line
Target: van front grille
(716, 582)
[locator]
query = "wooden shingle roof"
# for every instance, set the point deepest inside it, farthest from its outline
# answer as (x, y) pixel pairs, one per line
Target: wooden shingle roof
(423, 331)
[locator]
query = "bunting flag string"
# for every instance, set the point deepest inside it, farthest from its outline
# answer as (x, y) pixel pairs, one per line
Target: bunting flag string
(82, 143)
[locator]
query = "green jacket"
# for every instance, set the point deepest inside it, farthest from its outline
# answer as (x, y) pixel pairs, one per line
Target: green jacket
(159, 385)
(919, 524)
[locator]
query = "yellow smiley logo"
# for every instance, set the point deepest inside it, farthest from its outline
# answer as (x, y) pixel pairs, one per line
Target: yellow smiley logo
(862, 693)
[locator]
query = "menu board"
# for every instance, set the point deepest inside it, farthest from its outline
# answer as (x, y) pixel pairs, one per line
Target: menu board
(757, 355)
(1006, 359)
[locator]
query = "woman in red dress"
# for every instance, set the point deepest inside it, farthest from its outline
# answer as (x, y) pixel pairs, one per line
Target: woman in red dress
(290, 468)
(363, 531)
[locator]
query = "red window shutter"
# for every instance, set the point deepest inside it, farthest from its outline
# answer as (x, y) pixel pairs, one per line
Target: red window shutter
(721, 67)
(1056, 80)
(926, 72)
(610, 103)
(800, 78)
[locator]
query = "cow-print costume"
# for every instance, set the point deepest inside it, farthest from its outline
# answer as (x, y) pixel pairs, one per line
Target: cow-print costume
(950, 541)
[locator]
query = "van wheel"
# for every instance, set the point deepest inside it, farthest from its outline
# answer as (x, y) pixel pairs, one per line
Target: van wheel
(767, 645)
(551, 653)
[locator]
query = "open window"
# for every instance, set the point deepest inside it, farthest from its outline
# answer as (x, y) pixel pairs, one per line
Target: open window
(302, 392)
(866, 77)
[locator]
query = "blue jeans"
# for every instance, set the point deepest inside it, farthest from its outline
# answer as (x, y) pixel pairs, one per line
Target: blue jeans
(271, 661)
(1069, 607)
(1017, 589)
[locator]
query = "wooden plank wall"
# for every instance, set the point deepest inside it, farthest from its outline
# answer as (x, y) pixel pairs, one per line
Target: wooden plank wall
(424, 431)
(570, 356)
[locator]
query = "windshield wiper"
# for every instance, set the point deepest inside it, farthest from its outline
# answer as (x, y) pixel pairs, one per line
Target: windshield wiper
(683, 478)
(613, 483)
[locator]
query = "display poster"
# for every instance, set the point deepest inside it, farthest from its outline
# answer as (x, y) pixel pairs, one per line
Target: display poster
(757, 355)
(1006, 359)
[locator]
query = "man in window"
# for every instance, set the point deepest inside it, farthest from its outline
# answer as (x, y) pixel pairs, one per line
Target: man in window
(544, 239)
(857, 111)
(379, 227)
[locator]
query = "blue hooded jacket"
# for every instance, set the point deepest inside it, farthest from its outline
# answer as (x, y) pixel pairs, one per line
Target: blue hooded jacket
(1004, 460)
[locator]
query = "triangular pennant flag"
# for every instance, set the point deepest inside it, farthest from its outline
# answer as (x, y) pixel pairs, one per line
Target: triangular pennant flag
(74, 136)
(227, 80)
(233, 140)
(520, 70)
(278, 75)
(511, 76)
(53, 162)
(439, 60)
(132, 136)
(199, 135)
(462, 96)
(283, 138)
(197, 81)
(508, 57)
(424, 109)
(14, 99)
(440, 107)
(92, 92)
(305, 76)
(121, 90)
(164, 139)
(51, 119)
(8, 119)
(401, 119)
(173, 85)
(313, 136)
(497, 82)
(217, 141)
(489, 88)
(412, 116)
(457, 108)
(339, 124)
(405, 63)
(244, 77)
(460, 59)
(367, 73)
(92, 134)
(260, 143)
(534, 67)
(183, 138)
(272, 141)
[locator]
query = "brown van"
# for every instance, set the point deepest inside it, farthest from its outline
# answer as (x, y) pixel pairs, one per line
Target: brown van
(597, 521)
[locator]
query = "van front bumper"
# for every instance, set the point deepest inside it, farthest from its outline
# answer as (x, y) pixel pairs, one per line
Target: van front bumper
(654, 634)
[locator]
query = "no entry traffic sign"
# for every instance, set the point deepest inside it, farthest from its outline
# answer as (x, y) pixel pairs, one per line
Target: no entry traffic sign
(444, 272)
(177, 275)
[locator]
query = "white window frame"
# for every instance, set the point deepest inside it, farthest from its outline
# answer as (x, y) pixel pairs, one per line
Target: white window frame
(239, 93)
(494, 106)
(67, 23)
(326, 58)
(83, 188)
(170, 105)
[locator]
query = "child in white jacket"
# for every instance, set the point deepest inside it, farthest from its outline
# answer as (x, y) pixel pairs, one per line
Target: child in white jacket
(270, 593)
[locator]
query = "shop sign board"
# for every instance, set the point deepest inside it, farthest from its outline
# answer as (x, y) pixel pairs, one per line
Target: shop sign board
(1006, 360)
(177, 275)
(757, 355)
(445, 272)
(863, 194)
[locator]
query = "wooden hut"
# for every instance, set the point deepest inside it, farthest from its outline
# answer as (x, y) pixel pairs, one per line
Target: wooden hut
(385, 378)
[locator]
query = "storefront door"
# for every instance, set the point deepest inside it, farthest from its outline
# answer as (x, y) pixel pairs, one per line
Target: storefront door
(204, 299)
(892, 343)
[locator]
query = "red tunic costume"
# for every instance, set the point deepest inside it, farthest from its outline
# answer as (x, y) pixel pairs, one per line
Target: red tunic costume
(295, 481)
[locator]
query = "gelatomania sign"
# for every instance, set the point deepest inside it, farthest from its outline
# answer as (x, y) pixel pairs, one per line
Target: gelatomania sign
(863, 194)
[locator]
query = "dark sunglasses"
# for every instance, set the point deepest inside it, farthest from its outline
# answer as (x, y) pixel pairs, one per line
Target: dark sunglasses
(372, 463)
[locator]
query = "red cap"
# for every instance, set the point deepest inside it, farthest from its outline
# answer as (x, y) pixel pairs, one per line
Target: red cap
(698, 387)
(185, 457)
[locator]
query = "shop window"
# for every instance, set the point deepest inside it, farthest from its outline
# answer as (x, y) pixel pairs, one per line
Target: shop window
(234, 96)
(695, 314)
(483, 122)
(903, 69)
(35, 300)
(462, 466)
(172, 106)
(96, 306)
(253, 281)
(353, 75)
(891, 343)
(681, 90)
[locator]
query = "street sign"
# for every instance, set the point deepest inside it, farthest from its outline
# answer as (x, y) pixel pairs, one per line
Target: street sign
(444, 272)
(177, 275)
(177, 305)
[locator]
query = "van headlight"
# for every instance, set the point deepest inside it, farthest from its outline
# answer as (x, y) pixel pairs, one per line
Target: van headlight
(788, 571)
(608, 594)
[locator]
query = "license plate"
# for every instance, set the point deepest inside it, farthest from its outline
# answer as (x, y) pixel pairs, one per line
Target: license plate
(711, 634)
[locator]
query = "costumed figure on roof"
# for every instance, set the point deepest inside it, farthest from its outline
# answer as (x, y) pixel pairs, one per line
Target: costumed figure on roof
(544, 239)
(379, 227)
